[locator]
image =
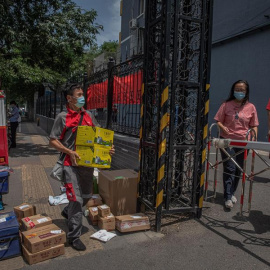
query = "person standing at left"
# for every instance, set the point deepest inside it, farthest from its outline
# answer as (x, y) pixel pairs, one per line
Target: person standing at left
(13, 119)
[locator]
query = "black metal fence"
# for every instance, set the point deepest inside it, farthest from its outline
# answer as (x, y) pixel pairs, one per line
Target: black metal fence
(50, 104)
(113, 95)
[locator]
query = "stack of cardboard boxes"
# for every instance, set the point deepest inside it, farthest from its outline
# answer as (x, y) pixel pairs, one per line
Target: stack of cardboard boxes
(41, 239)
(106, 220)
(118, 190)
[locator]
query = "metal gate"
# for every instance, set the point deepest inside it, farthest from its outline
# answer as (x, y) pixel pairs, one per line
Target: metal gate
(175, 105)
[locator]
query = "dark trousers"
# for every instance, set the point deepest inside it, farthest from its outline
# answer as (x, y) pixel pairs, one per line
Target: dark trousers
(231, 174)
(79, 184)
(13, 127)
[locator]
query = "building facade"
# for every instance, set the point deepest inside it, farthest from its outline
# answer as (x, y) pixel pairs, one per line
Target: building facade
(131, 37)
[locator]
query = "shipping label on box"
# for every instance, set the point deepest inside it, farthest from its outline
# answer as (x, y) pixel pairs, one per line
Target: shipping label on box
(42, 238)
(43, 255)
(95, 200)
(107, 223)
(36, 221)
(93, 215)
(97, 156)
(24, 210)
(85, 136)
(104, 210)
(104, 137)
(131, 223)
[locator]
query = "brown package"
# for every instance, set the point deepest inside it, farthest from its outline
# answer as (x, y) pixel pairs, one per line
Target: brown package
(94, 201)
(44, 254)
(36, 221)
(103, 210)
(93, 215)
(132, 223)
(43, 238)
(118, 190)
(24, 210)
(107, 223)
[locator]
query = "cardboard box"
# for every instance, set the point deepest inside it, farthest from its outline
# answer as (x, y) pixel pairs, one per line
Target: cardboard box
(24, 210)
(107, 223)
(104, 210)
(43, 255)
(88, 136)
(36, 221)
(95, 200)
(93, 215)
(118, 190)
(43, 238)
(132, 223)
(97, 156)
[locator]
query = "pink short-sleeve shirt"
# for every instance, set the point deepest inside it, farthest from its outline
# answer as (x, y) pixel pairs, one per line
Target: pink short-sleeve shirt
(237, 118)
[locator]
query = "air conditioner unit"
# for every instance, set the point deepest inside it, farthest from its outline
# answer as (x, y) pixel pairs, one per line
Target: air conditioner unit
(133, 23)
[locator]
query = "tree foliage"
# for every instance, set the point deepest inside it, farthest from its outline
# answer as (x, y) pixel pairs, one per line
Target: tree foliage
(41, 41)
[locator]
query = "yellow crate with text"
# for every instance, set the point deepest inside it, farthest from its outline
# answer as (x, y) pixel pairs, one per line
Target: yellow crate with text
(104, 137)
(85, 136)
(88, 136)
(96, 157)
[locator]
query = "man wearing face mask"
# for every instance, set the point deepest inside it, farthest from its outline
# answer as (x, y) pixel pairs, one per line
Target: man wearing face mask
(235, 117)
(78, 180)
(13, 119)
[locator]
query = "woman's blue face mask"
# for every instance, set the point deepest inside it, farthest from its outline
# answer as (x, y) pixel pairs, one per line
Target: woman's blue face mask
(239, 95)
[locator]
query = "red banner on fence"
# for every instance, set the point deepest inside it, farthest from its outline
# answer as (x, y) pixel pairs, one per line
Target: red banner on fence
(97, 95)
(126, 90)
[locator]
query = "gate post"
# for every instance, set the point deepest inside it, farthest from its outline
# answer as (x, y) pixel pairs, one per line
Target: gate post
(110, 92)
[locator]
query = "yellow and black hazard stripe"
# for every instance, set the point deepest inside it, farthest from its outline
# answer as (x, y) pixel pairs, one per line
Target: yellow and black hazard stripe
(141, 136)
(203, 159)
(164, 120)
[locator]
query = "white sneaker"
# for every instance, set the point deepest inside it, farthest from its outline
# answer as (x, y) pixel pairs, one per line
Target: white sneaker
(234, 200)
(229, 204)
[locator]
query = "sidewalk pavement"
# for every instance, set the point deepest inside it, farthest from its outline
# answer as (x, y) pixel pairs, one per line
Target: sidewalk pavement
(220, 239)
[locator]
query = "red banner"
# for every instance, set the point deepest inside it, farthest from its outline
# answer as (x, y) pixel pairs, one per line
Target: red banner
(126, 90)
(97, 95)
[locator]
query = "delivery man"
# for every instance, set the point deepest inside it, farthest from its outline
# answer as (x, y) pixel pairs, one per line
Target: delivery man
(78, 180)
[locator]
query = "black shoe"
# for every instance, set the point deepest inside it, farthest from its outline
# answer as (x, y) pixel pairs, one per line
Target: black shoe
(64, 214)
(78, 244)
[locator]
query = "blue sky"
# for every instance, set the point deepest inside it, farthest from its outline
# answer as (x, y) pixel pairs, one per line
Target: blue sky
(108, 16)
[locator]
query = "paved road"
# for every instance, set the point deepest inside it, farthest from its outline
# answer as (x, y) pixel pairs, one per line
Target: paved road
(219, 240)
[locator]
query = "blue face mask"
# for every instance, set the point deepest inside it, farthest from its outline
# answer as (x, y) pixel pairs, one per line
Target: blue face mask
(80, 102)
(239, 95)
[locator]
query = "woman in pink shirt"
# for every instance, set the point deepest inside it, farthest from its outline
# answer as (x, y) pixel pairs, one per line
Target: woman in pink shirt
(235, 117)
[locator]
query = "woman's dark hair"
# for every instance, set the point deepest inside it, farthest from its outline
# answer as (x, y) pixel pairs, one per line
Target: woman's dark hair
(69, 90)
(231, 95)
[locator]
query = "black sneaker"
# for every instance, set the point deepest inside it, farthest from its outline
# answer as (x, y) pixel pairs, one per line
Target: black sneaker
(78, 244)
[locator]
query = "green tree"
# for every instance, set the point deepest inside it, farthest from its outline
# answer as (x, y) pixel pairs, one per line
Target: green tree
(40, 41)
(109, 46)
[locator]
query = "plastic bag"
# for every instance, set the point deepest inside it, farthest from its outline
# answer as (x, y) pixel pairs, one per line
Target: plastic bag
(103, 235)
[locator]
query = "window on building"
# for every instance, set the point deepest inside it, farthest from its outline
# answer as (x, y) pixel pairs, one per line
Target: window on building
(141, 7)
